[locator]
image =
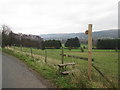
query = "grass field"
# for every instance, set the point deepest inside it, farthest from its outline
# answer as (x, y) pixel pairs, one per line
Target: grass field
(105, 60)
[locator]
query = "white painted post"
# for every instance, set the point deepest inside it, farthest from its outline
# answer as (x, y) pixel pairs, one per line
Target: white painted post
(89, 50)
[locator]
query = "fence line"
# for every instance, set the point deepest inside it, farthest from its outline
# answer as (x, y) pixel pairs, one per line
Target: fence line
(103, 75)
(77, 57)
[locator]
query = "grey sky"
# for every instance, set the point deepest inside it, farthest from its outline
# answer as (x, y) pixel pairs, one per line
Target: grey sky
(58, 16)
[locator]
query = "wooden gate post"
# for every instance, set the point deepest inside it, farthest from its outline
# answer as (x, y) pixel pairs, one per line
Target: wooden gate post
(89, 50)
(45, 55)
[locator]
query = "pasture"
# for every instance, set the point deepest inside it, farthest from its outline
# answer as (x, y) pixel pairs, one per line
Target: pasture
(105, 60)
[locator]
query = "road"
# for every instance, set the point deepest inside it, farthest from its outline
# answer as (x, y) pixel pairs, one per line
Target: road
(15, 74)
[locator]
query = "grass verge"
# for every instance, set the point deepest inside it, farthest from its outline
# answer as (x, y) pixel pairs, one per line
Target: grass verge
(45, 70)
(76, 79)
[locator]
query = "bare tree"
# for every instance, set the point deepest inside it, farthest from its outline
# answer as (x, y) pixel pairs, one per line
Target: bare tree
(5, 35)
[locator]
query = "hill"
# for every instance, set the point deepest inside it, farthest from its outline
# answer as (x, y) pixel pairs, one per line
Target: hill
(96, 35)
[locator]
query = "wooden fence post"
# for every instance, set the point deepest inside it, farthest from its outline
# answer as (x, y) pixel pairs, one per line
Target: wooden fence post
(89, 50)
(7, 47)
(21, 47)
(14, 46)
(45, 55)
(62, 55)
(31, 51)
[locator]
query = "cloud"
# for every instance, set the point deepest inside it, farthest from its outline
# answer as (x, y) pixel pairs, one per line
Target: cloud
(58, 16)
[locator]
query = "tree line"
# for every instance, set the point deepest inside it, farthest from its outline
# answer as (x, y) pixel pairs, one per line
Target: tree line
(70, 43)
(10, 38)
(50, 44)
(108, 44)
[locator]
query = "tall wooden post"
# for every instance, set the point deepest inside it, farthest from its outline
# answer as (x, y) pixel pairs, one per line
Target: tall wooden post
(45, 55)
(89, 50)
(62, 55)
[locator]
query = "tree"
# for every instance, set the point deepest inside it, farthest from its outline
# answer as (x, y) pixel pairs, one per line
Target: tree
(108, 43)
(9, 38)
(5, 35)
(72, 43)
(52, 44)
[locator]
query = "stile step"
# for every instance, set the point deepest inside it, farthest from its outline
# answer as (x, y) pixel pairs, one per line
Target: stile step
(65, 72)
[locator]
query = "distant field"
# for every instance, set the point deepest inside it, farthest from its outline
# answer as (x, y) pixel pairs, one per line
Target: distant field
(82, 45)
(105, 60)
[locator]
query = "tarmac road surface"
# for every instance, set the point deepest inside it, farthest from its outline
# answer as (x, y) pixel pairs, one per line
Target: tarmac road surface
(15, 74)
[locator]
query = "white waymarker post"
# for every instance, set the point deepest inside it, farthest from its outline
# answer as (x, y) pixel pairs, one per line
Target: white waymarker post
(89, 50)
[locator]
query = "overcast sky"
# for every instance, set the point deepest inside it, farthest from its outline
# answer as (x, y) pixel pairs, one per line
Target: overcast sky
(58, 16)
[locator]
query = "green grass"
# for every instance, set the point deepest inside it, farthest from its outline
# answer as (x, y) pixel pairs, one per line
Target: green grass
(84, 45)
(105, 60)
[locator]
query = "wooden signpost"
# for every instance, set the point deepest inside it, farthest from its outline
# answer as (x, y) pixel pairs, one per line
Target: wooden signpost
(89, 32)
(89, 50)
